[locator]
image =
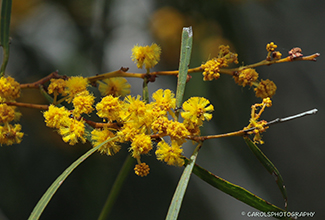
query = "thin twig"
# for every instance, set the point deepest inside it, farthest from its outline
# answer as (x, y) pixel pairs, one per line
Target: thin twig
(46, 107)
(270, 62)
(35, 85)
(28, 105)
(280, 120)
(244, 132)
(118, 73)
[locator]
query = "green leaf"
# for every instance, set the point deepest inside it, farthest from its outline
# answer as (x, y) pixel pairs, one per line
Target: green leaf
(176, 202)
(186, 48)
(42, 203)
(236, 191)
(269, 167)
(4, 33)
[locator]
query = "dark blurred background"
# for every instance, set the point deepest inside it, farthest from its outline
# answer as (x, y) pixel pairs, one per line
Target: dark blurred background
(89, 37)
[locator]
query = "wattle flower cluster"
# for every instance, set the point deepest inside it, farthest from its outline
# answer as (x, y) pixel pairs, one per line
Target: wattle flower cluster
(129, 120)
(9, 91)
(259, 126)
(212, 67)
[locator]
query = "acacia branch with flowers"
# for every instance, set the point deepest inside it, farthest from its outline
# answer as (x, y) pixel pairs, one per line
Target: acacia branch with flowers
(74, 89)
(146, 125)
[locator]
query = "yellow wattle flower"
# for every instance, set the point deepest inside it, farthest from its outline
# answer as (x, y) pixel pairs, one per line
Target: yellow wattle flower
(266, 88)
(196, 110)
(148, 56)
(83, 103)
(73, 131)
(9, 89)
(172, 155)
(55, 116)
(74, 86)
(117, 86)
(98, 136)
(141, 144)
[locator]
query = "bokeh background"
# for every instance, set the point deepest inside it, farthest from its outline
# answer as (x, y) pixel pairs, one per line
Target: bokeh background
(89, 37)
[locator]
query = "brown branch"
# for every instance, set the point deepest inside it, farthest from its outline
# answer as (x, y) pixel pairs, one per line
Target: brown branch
(28, 105)
(102, 125)
(46, 107)
(118, 73)
(175, 72)
(35, 85)
(270, 62)
(245, 132)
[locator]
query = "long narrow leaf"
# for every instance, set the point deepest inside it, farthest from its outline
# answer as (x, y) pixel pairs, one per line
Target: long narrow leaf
(177, 200)
(186, 49)
(4, 32)
(269, 167)
(42, 203)
(237, 192)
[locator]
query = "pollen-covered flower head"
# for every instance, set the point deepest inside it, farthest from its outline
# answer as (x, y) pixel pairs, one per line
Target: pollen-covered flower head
(9, 89)
(160, 125)
(141, 144)
(135, 108)
(211, 69)
(98, 136)
(128, 131)
(266, 88)
(246, 77)
(138, 114)
(83, 103)
(75, 85)
(57, 85)
(117, 86)
(109, 107)
(10, 134)
(7, 113)
(196, 110)
(172, 155)
(72, 131)
(148, 56)
(55, 116)
(164, 101)
(177, 131)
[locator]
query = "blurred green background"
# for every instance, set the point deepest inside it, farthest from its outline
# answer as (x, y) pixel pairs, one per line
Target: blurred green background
(89, 37)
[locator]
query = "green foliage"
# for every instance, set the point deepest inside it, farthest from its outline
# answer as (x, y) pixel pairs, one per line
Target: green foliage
(235, 191)
(185, 56)
(39, 208)
(269, 167)
(180, 191)
(4, 33)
